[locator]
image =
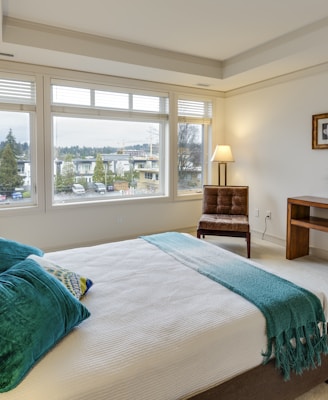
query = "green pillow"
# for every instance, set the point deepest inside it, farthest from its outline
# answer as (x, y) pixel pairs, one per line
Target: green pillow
(78, 285)
(12, 252)
(36, 311)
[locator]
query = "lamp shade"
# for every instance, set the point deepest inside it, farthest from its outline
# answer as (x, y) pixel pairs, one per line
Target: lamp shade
(222, 154)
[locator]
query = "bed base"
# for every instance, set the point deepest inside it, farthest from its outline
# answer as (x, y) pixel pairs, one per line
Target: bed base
(265, 382)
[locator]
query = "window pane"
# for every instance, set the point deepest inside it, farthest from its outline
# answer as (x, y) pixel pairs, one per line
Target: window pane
(111, 100)
(123, 156)
(190, 158)
(194, 130)
(146, 103)
(71, 95)
(15, 158)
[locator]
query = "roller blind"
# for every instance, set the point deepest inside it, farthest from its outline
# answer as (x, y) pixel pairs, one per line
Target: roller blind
(17, 91)
(194, 111)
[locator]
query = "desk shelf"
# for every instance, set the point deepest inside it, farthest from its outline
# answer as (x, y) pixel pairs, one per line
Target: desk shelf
(317, 223)
(300, 221)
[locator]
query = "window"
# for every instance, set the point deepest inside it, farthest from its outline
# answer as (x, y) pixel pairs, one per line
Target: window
(105, 135)
(194, 129)
(108, 136)
(17, 164)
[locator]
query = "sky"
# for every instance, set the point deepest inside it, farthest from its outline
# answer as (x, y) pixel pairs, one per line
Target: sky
(18, 123)
(98, 133)
(83, 131)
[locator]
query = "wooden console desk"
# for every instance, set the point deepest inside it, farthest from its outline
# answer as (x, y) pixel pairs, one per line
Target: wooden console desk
(300, 221)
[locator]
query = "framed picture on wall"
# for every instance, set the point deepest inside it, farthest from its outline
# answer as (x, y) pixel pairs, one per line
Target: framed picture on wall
(320, 131)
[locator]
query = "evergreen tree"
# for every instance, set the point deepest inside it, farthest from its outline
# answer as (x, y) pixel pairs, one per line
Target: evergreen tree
(10, 139)
(59, 187)
(9, 177)
(68, 173)
(99, 171)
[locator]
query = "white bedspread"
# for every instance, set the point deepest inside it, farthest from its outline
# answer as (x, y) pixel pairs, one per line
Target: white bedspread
(158, 330)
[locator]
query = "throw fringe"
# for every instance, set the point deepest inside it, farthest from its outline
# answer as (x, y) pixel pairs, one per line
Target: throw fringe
(298, 349)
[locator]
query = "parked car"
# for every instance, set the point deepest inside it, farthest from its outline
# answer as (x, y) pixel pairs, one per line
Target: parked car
(17, 195)
(78, 189)
(110, 188)
(3, 197)
(99, 187)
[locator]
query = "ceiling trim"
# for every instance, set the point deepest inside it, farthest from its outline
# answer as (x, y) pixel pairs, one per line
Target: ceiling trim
(300, 74)
(279, 48)
(31, 34)
(279, 57)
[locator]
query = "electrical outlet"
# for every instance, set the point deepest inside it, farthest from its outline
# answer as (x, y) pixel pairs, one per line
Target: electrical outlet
(256, 212)
(268, 215)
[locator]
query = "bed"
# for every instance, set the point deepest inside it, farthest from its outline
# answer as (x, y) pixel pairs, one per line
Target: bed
(159, 330)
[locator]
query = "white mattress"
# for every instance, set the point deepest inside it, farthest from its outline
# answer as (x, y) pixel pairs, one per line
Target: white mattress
(158, 330)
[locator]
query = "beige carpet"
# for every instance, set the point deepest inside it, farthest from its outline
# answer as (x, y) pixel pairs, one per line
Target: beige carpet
(268, 253)
(318, 393)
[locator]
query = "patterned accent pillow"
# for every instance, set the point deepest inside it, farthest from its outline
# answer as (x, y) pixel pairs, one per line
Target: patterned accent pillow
(12, 252)
(78, 285)
(37, 311)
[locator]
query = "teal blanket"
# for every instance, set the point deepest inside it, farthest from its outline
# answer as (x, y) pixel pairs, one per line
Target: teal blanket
(295, 322)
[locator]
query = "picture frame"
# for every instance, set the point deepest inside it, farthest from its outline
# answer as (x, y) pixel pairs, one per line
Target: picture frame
(320, 131)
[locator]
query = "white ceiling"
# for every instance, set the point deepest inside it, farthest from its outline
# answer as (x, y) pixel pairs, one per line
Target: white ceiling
(219, 44)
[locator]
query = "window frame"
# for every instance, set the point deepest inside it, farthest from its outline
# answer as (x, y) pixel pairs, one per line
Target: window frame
(42, 136)
(208, 129)
(35, 142)
(93, 112)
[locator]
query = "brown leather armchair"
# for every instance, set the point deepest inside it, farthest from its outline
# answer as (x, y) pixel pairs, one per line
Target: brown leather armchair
(225, 213)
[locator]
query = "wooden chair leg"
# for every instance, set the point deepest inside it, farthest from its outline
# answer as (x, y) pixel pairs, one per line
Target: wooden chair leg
(248, 239)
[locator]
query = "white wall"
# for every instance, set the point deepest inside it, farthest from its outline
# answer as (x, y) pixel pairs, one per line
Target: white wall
(78, 226)
(270, 131)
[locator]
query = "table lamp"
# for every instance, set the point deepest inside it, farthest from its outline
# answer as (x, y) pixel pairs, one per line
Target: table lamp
(222, 155)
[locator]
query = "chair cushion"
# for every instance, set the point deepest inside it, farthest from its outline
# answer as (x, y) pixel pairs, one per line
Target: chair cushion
(224, 222)
(225, 200)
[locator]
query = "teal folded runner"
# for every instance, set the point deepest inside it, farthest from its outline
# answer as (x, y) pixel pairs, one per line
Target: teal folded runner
(295, 322)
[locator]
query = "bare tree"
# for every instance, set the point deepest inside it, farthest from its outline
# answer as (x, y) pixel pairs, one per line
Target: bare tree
(189, 149)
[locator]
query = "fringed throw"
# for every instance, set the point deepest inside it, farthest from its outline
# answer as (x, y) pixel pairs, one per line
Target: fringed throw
(295, 322)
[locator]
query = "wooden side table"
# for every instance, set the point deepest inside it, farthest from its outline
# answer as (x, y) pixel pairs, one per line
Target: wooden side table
(300, 221)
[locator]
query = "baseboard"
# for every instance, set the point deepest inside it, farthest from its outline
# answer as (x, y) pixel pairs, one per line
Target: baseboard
(320, 253)
(270, 238)
(314, 251)
(191, 230)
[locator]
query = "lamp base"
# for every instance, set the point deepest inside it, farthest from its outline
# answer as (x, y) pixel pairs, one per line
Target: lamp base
(225, 174)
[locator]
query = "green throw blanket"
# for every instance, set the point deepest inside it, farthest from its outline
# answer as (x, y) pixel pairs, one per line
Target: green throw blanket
(295, 322)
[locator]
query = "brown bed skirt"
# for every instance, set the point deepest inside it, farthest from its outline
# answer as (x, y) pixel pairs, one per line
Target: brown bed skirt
(265, 382)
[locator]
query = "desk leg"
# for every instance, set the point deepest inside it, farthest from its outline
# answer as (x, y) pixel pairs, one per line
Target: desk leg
(297, 237)
(297, 242)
